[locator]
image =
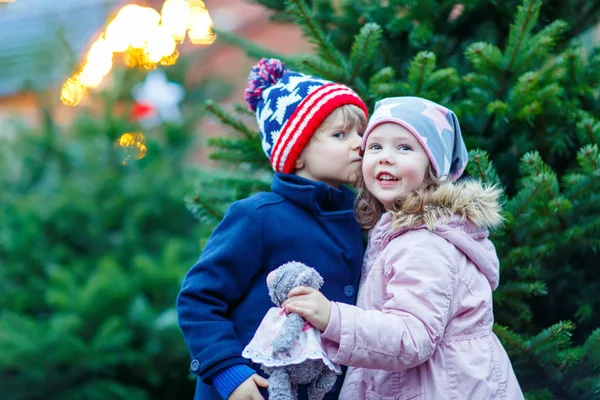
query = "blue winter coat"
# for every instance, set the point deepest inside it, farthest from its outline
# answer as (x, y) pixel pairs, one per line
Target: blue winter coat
(224, 295)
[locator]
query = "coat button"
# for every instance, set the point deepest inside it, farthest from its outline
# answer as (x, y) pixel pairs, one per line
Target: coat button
(349, 291)
(195, 365)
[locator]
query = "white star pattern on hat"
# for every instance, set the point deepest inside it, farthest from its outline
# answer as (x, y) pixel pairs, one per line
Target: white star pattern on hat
(294, 81)
(263, 115)
(438, 115)
(266, 144)
(385, 110)
(261, 118)
(282, 104)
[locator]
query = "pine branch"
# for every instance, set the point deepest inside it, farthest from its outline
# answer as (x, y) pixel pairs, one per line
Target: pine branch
(365, 44)
(593, 72)
(381, 77)
(530, 194)
(498, 108)
(227, 119)
(322, 68)
(521, 99)
(250, 48)
(544, 41)
(589, 159)
(480, 165)
(511, 340)
(543, 177)
(238, 150)
(203, 210)
(527, 15)
(485, 57)
(303, 16)
(519, 289)
(588, 129)
(591, 348)
(442, 84)
(420, 68)
(549, 340)
(577, 184)
(243, 109)
(556, 335)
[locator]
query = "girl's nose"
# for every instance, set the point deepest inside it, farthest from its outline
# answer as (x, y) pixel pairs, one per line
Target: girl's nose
(385, 158)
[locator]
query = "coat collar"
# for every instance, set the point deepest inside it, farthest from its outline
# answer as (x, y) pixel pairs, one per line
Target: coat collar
(316, 196)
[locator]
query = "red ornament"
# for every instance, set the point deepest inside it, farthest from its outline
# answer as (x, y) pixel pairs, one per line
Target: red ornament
(142, 111)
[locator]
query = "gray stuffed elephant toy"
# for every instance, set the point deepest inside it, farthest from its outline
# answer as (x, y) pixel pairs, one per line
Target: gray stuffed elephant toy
(295, 355)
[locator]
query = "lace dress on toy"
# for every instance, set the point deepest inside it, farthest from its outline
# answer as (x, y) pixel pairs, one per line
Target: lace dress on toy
(308, 346)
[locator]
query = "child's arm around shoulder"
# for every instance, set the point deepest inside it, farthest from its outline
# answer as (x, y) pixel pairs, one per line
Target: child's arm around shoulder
(222, 275)
(419, 271)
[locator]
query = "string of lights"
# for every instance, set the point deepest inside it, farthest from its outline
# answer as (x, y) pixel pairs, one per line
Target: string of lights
(144, 37)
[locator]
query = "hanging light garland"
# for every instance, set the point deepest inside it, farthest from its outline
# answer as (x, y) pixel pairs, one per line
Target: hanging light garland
(146, 39)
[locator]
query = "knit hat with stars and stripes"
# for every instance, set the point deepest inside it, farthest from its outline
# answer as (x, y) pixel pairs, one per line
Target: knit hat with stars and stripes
(290, 107)
(434, 126)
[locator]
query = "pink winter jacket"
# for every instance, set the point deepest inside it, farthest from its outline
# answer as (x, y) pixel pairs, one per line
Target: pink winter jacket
(422, 327)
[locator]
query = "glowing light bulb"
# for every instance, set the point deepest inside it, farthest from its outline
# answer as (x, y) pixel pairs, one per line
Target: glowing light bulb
(201, 25)
(100, 56)
(176, 18)
(132, 146)
(160, 44)
(72, 92)
(119, 32)
(146, 21)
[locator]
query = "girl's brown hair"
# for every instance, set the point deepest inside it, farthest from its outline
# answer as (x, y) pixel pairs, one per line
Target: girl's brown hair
(368, 208)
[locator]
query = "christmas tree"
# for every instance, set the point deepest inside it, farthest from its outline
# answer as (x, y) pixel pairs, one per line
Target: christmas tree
(94, 242)
(527, 95)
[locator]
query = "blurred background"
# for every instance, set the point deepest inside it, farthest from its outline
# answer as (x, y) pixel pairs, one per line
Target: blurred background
(124, 137)
(95, 236)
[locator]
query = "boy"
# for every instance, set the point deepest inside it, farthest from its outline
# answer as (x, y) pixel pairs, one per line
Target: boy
(310, 130)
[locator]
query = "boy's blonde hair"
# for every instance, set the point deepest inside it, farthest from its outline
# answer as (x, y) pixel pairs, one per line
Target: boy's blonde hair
(352, 116)
(369, 209)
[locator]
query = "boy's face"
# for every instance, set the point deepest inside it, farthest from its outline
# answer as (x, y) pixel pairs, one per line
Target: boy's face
(331, 156)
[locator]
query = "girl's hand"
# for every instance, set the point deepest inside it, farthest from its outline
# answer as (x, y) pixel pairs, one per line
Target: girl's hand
(310, 304)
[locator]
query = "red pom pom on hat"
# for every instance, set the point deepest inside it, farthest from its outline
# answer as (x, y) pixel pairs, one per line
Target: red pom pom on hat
(262, 76)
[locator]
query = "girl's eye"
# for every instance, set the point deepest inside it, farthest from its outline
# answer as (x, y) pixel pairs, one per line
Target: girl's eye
(404, 147)
(339, 135)
(374, 146)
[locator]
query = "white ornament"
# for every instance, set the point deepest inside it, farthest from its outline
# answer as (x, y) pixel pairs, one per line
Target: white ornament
(162, 95)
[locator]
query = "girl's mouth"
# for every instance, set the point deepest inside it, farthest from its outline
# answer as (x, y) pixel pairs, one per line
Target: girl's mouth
(386, 179)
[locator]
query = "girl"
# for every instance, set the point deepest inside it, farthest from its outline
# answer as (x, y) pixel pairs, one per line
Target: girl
(422, 327)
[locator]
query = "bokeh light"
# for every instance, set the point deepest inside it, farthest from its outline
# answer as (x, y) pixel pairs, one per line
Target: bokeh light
(132, 146)
(145, 38)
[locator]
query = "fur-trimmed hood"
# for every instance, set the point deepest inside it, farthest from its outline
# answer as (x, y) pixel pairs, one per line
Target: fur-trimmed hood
(459, 212)
(469, 199)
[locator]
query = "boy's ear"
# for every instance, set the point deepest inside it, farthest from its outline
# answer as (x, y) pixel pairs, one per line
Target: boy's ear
(299, 163)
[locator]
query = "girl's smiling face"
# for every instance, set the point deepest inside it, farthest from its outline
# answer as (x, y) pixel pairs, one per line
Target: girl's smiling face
(394, 163)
